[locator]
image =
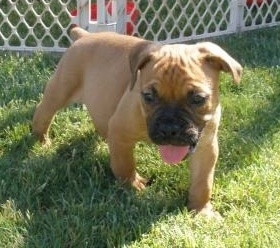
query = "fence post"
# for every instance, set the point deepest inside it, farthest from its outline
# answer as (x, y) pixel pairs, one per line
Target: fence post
(83, 14)
(120, 14)
(236, 15)
(103, 22)
(101, 12)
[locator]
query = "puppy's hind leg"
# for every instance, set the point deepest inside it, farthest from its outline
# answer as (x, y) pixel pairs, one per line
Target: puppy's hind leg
(56, 96)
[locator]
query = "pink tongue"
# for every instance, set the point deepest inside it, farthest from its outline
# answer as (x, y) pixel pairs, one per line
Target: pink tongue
(173, 154)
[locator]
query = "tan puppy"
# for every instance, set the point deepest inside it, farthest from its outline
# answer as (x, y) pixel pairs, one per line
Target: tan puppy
(138, 90)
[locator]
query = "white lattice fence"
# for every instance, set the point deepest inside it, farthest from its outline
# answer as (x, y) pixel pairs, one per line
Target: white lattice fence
(29, 25)
(35, 25)
(178, 21)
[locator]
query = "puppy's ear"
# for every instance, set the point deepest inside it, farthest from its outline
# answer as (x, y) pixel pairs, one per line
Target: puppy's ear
(220, 59)
(139, 56)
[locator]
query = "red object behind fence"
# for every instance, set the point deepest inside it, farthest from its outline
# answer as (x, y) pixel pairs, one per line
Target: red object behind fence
(130, 10)
(258, 2)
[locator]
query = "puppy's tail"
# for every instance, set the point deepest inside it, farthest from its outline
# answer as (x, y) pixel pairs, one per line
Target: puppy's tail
(77, 32)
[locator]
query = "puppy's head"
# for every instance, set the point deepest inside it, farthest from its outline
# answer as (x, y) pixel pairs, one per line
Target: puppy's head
(178, 86)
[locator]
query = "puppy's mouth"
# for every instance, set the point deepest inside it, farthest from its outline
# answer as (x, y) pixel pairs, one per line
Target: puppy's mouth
(175, 133)
(175, 148)
(172, 154)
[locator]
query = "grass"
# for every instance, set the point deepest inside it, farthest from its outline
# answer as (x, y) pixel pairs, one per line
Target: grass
(66, 196)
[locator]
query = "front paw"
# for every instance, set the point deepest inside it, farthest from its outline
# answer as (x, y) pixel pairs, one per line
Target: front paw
(210, 214)
(139, 183)
(207, 211)
(42, 138)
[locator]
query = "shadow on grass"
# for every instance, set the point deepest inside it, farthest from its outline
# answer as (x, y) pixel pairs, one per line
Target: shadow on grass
(71, 196)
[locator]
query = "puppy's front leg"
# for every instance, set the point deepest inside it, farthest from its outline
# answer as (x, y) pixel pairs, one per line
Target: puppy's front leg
(122, 162)
(202, 166)
(124, 130)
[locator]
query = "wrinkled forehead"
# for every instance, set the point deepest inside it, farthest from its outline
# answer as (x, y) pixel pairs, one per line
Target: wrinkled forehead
(178, 70)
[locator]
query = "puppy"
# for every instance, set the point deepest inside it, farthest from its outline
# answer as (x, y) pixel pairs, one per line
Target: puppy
(138, 90)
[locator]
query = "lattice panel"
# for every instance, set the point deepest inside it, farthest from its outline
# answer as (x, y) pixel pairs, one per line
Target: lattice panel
(261, 13)
(177, 21)
(40, 24)
(172, 20)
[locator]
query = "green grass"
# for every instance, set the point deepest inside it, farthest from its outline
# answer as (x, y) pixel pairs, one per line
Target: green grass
(66, 196)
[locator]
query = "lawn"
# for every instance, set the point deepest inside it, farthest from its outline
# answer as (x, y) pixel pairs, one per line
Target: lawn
(66, 196)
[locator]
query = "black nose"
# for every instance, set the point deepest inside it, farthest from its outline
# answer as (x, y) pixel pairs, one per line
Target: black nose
(169, 131)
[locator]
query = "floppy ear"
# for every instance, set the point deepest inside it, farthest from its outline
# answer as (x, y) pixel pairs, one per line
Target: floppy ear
(220, 59)
(139, 57)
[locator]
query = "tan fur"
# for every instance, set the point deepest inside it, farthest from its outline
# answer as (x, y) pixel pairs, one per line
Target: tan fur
(107, 72)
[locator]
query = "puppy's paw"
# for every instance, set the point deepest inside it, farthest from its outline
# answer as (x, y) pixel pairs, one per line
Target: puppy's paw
(207, 212)
(210, 214)
(139, 182)
(43, 139)
(46, 142)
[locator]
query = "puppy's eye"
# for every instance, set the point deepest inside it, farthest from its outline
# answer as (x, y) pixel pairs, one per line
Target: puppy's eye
(198, 99)
(149, 96)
